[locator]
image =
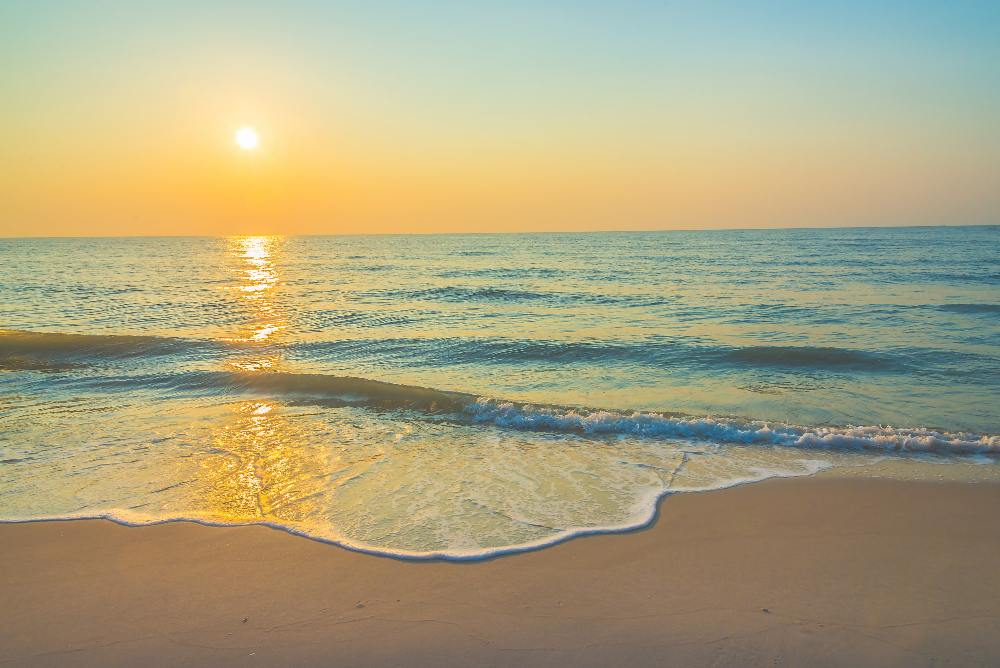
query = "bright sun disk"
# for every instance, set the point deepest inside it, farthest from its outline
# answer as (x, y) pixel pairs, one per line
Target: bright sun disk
(246, 138)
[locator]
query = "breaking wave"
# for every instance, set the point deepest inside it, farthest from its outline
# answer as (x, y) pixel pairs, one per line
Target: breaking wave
(65, 353)
(746, 432)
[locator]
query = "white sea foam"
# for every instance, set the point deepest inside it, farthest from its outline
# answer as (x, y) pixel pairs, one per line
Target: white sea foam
(880, 438)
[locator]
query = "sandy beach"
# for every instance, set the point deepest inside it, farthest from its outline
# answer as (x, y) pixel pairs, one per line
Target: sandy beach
(794, 572)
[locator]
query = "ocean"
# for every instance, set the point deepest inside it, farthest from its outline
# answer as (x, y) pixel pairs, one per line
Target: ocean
(462, 396)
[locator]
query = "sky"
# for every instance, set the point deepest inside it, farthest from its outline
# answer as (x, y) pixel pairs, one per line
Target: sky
(119, 118)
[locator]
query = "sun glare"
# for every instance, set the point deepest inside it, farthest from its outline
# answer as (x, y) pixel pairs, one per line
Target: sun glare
(246, 137)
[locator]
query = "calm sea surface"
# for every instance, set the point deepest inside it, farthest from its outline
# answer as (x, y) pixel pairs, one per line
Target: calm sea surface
(473, 394)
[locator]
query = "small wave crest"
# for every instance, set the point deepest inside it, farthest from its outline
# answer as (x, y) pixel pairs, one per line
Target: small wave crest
(973, 309)
(665, 425)
(43, 344)
(338, 390)
(812, 357)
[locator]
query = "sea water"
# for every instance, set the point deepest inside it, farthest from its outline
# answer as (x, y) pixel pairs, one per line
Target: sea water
(468, 395)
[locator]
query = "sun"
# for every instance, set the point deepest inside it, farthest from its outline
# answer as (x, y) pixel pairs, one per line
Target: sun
(246, 137)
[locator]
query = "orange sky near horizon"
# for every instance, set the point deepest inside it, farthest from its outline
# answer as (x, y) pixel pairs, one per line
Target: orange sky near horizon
(113, 128)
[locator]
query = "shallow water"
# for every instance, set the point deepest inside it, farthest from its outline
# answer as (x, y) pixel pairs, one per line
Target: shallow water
(572, 379)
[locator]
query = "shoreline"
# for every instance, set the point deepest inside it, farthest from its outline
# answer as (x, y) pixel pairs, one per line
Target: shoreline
(819, 570)
(899, 469)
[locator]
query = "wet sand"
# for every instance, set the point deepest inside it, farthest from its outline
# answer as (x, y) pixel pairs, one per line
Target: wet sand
(817, 571)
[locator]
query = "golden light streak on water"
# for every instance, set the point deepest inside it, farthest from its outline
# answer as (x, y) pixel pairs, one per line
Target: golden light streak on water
(269, 363)
(256, 260)
(260, 467)
(258, 276)
(258, 464)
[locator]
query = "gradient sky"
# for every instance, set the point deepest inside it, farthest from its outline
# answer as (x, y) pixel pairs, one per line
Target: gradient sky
(118, 118)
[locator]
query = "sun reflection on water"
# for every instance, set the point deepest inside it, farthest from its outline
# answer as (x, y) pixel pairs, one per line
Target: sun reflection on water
(258, 276)
(257, 469)
(255, 461)
(269, 363)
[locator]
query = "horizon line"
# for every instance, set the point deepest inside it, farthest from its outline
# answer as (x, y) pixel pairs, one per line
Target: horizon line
(552, 232)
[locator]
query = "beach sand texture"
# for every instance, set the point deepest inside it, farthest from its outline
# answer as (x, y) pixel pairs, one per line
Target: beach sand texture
(795, 572)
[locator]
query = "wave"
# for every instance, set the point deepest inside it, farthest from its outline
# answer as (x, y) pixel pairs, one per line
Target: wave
(970, 308)
(508, 295)
(28, 351)
(740, 432)
(18, 363)
(79, 350)
(657, 353)
(812, 357)
(341, 390)
(461, 295)
(501, 273)
(15, 343)
(291, 388)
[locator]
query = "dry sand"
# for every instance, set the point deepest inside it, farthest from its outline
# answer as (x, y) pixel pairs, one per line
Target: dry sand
(851, 573)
